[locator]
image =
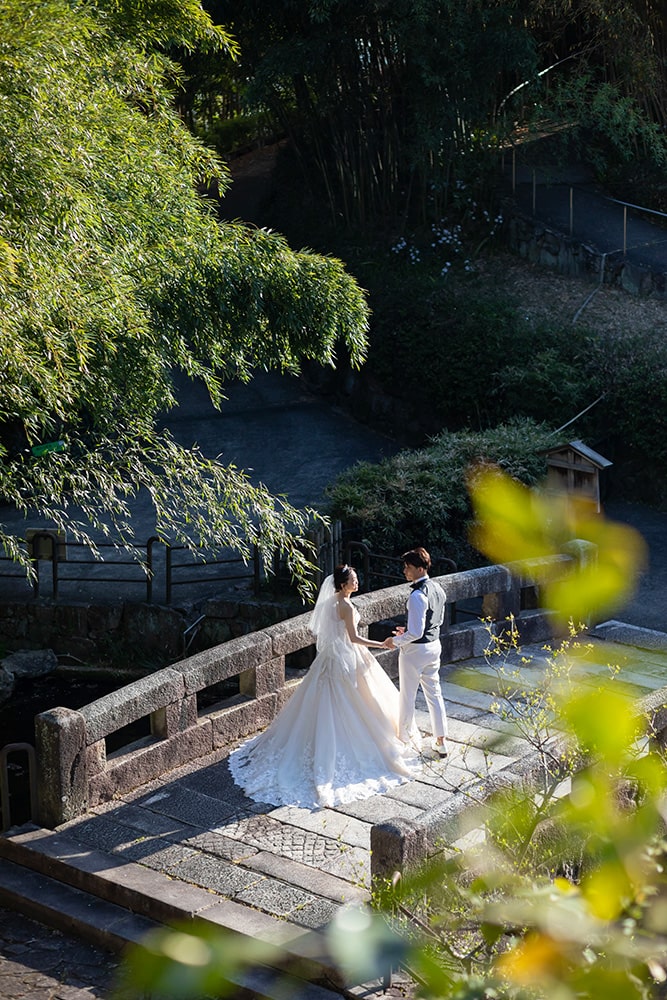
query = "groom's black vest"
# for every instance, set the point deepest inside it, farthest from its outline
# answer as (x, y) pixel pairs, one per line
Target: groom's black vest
(435, 613)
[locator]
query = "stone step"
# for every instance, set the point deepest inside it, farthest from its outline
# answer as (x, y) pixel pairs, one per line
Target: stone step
(69, 910)
(161, 899)
(111, 927)
(256, 860)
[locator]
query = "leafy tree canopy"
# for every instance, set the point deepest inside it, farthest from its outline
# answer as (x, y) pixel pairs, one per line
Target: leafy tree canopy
(115, 272)
(388, 104)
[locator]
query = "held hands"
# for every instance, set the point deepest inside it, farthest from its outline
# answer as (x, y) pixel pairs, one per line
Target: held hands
(389, 641)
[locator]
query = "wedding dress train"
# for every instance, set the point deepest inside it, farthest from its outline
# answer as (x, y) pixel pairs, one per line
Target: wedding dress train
(336, 739)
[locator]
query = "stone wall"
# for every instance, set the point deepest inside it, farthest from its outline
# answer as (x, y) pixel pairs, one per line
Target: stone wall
(536, 242)
(127, 634)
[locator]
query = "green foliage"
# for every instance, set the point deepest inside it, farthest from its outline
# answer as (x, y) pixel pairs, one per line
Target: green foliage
(630, 369)
(420, 496)
(562, 894)
(165, 24)
(114, 273)
(514, 523)
(457, 353)
(610, 127)
(230, 135)
(389, 104)
(473, 358)
(386, 103)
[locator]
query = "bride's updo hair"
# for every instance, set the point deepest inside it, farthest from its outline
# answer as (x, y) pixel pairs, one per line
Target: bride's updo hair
(341, 575)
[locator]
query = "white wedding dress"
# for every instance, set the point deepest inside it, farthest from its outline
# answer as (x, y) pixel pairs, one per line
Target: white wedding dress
(336, 739)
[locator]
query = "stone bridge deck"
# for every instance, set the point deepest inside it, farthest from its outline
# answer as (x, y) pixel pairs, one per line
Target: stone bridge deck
(192, 845)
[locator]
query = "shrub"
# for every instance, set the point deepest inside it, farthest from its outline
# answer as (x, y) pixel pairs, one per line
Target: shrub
(469, 355)
(420, 496)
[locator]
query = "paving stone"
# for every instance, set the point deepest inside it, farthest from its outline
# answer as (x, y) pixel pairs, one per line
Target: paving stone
(215, 781)
(494, 734)
(242, 919)
(379, 809)
(145, 820)
(316, 914)
(269, 834)
(482, 760)
(466, 696)
(353, 865)
(121, 841)
(275, 897)
(419, 794)
(305, 877)
(100, 831)
(185, 804)
(51, 966)
(213, 873)
(161, 855)
(447, 776)
(328, 822)
(466, 713)
(221, 846)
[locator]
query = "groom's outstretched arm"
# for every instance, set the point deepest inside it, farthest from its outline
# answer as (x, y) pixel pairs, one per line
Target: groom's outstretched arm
(417, 608)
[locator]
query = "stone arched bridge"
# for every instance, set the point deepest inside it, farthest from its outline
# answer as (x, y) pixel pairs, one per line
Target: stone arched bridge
(157, 831)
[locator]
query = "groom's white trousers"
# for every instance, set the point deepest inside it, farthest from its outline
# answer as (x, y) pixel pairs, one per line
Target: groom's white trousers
(419, 663)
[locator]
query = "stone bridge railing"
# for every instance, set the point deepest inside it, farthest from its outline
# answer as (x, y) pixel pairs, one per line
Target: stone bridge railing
(75, 771)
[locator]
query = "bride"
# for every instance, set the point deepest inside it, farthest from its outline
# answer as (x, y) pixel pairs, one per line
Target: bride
(336, 740)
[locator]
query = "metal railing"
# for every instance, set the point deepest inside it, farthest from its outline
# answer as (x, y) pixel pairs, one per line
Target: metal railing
(138, 570)
(377, 571)
(568, 206)
(156, 569)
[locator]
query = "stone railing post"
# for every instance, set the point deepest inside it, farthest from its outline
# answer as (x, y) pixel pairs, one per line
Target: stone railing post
(500, 605)
(62, 780)
(396, 846)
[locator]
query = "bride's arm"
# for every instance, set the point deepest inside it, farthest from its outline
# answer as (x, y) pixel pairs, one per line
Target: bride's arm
(347, 614)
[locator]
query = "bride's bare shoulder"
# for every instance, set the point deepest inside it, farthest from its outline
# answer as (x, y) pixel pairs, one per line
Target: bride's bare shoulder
(345, 606)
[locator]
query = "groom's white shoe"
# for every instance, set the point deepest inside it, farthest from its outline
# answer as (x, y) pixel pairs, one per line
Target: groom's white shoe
(440, 748)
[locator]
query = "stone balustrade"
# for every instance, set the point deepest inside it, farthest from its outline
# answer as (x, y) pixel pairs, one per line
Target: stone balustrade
(75, 771)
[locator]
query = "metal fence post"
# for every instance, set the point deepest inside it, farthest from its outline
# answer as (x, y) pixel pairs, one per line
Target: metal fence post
(54, 560)
(571, 210)
(149, 565)
(255, 569)
(167, 571)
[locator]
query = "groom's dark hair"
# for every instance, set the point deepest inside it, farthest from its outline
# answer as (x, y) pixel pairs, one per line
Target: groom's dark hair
(417, 557)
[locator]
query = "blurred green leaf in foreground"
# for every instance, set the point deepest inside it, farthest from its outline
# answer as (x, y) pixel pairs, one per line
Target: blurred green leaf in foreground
(513, 523)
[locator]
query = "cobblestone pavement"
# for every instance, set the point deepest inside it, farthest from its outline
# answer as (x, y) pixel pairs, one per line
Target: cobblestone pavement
(37, 963)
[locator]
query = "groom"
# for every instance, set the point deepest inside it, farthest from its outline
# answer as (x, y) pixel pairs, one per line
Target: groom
(419, 650)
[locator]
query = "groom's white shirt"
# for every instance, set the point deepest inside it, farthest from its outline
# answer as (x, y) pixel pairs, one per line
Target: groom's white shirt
(416, 623)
